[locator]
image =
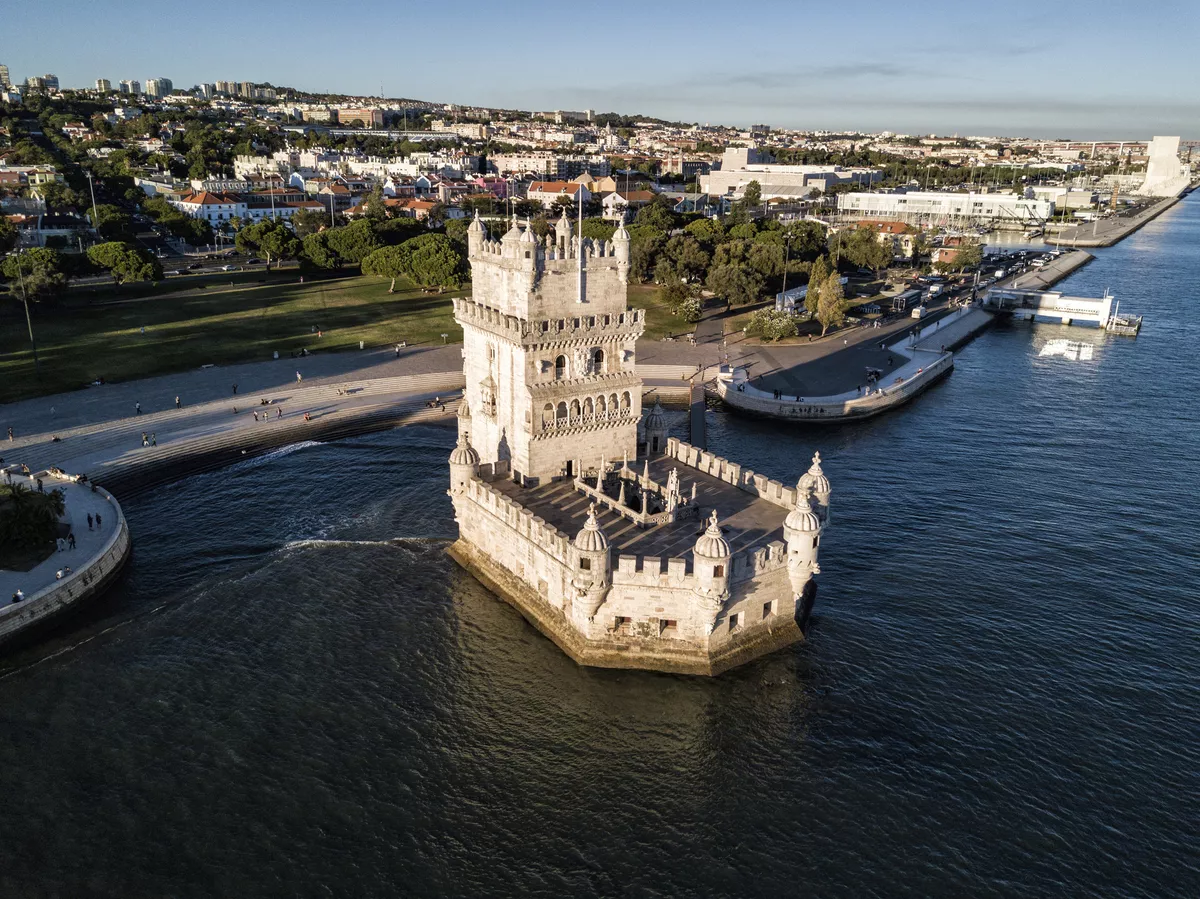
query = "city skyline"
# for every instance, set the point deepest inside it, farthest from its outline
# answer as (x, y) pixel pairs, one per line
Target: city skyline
(955, 71)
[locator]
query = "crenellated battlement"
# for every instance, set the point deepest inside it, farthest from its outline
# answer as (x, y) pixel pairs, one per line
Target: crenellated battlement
(732, 473)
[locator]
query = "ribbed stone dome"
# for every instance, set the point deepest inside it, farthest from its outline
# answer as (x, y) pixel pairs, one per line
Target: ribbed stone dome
(527, 236)
(656, 420)
(620, 233)
(590, 538)
(476, 225)
(814, 479)
(464, 411)
(802, 518)
(463, 453)
(711, 544)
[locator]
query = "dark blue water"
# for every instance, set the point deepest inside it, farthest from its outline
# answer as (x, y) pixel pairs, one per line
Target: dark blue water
(295, 693)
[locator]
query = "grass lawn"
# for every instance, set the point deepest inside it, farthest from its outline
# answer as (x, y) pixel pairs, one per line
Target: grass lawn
(189, 328)
(660, 321)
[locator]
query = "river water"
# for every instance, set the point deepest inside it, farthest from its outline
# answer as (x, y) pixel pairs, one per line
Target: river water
(294, 692)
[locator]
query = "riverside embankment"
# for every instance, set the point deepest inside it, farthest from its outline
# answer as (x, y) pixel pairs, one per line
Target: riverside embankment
(1106, 232)
(69, 577)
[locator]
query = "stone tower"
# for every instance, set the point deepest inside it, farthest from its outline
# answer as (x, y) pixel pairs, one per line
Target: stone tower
(548, 351)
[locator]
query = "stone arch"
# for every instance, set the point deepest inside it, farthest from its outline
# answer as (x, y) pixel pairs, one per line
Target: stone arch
(589, 408)
(560, 367)
(613, 404)
(560, 414)
(548, 415)
(597, 361)
(575, 411)
(626, 401)
(601, 405)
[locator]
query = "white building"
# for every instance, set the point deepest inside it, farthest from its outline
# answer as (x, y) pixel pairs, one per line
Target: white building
(557, 513)
(216, 209)
(741, 165)
(103, 85)
(159, 87)
(934, 207)
(131, 87)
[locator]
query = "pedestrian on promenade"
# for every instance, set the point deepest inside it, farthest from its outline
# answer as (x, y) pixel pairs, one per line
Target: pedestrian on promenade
(145, 439)
(178, 405)
(98, 521)
(71, 540)
(19, 596)
(10, 434)
(89, 521)
(153, 440)
(255, 414)
(307, 417)
(40, 488)
(137, 408)
(235, 389)
(59, 546)
(299, 377)
(279, 412)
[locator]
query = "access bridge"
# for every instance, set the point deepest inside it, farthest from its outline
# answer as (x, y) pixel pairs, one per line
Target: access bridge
(1049, 304)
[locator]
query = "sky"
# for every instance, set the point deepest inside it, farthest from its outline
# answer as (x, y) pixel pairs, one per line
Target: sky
(1084, 70)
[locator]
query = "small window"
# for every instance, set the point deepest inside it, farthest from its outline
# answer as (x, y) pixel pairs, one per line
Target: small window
(733, 622)
(668, 627)
(622, 624)
(586, 565)
(560, 368)
(767, 609)
(718, 571)
(815, 542)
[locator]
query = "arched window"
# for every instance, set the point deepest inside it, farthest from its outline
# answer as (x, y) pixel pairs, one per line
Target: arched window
(601, 405)
(574, 410)
(589, 408)
(560, 414)
(560, 368)
(613, 404)
(625, 401)
(548, 416)
(597, 362)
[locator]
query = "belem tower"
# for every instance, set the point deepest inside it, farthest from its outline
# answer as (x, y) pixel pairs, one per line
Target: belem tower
(627, 550)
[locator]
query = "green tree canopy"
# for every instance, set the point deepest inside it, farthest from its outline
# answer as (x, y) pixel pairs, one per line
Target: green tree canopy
(352, 243)
(8, 235)
(388, 262)
(308, 221)
(41, 272)
(771, 325)
(687, 256)
(736, 283)
(831, 310)
(111, 222)
(432, 261)
(709, 232)
(125, 263)
(817, 276)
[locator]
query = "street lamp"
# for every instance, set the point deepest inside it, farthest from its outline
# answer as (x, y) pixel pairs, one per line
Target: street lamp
(92, 189)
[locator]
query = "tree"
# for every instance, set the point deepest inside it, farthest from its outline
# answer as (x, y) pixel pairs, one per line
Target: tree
(970, 255)
(766, 259)
(752, 195)
(772, 325)
(376, 211)
(57, 195)
(28, 519)
(709, 232)
(690, 310)
(40, 272)
(687, 257)
(831, 311)
(456, 230)
(388, 262)
(125, 263)
(316, 252)
(308, 221)
(817, 276)
(111, 223)
(197, 232)
(432, 261)
(8, 235)
(657, 214)
(645, 243)
(807, 239)
(598, 229)
(737, 284)
(352, 243)
(273, 239)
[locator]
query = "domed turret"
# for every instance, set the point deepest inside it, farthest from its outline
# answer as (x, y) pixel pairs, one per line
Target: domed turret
(656, 429)
(802, 531)
(814, 480)
(464, 417)
(563, 231)
(527, 236)
(476, 235)
(590, 538)
(464, 464)
(712, 544)
(621, 250)
(592, 576)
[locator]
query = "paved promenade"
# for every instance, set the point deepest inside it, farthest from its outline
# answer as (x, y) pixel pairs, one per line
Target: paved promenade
(80, 501)
(1106, 232)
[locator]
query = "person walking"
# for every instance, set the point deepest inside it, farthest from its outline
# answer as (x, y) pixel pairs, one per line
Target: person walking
(255, 414)
(235, 389)
(98, 522)
(10, 435)
(279, 411)
(178, 405)
(89, 521)
(71, 540)
(154, 440)
(145, 439)
(137, 408)
(40, 488)
(299, 377)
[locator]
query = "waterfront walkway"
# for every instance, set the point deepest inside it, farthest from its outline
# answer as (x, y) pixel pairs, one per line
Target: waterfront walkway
(80, 501)
(1106, 232)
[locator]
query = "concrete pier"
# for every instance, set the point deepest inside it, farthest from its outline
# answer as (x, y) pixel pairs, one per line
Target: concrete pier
(1106, 232)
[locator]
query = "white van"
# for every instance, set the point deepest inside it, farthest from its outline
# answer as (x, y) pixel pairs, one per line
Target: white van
(918, 312)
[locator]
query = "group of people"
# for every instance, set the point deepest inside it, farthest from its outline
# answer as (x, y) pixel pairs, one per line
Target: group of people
(149, 439)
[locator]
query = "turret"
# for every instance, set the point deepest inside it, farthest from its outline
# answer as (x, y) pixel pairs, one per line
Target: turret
(511, 241)
(621, 249)
(814, 480)
(563, 232)
(464, 417)
(592, 576)
(476, 235)
(656, 430)
(711, 557)
(464, 464)
(802, 531)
